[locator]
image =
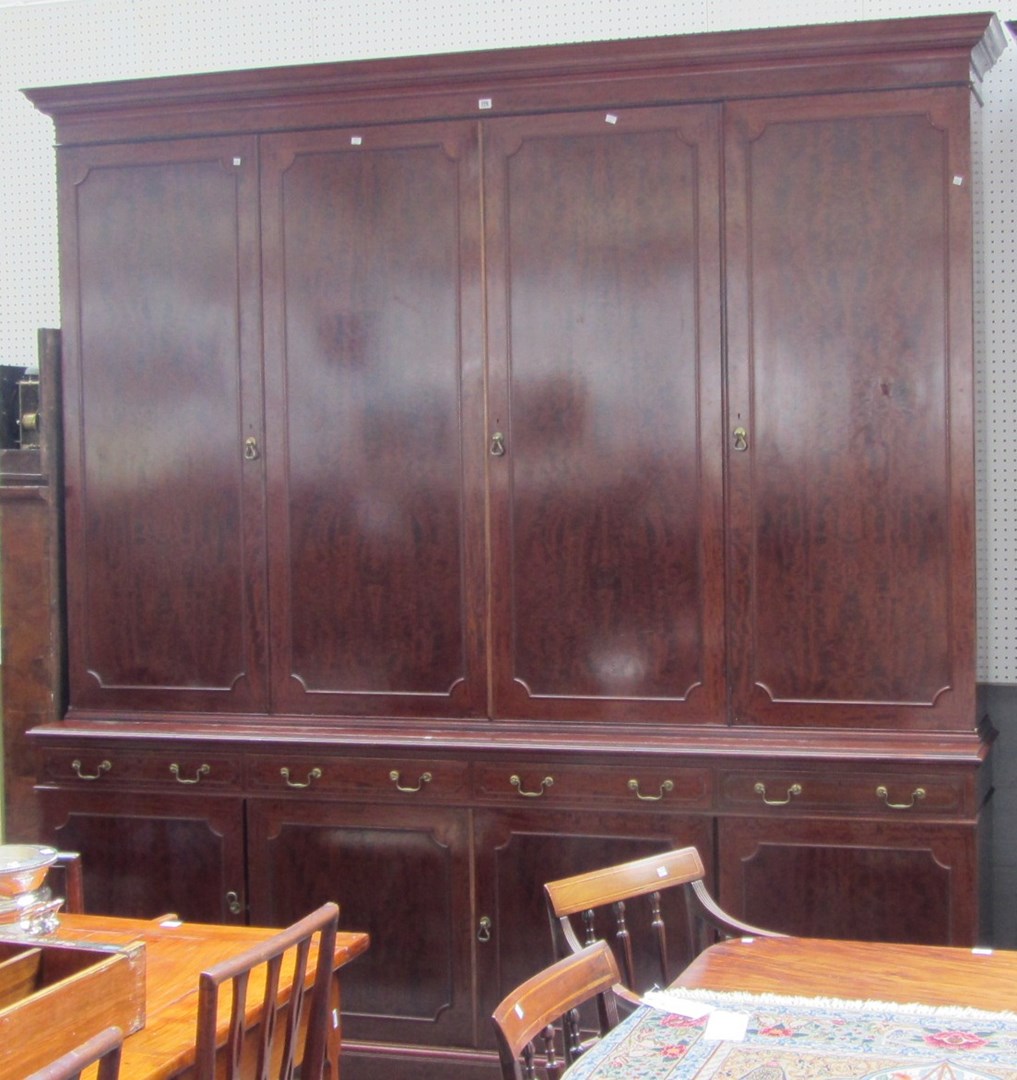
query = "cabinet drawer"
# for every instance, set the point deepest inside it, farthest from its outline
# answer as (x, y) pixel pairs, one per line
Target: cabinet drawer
(122, 768)
(394, 777)
(638, 786)
(787, 790)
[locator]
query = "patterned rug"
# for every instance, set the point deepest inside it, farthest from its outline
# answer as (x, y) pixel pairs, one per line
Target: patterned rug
(805, 1039)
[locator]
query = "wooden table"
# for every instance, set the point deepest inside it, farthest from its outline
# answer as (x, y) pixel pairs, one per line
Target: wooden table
(821, 1013)
(923, 974)
(175, 953)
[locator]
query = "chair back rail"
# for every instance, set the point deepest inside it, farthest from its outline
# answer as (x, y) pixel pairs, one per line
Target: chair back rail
(608, 896)
(306, 1011)
(537, 1026)
(103, 1048)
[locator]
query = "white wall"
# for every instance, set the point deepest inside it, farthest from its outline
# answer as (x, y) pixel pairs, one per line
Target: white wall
(68, 41)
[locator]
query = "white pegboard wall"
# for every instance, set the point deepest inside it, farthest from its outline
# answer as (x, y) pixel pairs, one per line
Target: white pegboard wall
(85, 40)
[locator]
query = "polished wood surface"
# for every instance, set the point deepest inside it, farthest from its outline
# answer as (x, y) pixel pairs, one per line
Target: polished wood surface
(370, 270)
(624, 904)
(857, 970)
(548, 1000)
(175, 954)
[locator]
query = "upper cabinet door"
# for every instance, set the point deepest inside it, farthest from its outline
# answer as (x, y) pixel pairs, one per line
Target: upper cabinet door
(604, 419)
(374, 382)
(850, 410)
(162, 388)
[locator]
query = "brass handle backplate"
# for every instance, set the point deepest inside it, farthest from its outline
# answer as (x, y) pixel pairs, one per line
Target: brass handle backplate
(103, 767)
(916, 796)
(547, 782)
(665, 787)
(314, 774)
(424, 778)
(202, 770)
(792, 791)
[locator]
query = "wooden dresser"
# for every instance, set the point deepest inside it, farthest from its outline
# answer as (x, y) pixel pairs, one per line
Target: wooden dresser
(484, 467)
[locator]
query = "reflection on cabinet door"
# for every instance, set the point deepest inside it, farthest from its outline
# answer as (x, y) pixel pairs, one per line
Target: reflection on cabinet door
(602, 240)
(147, 855)
(402, 876)
(870, 880)
(849, 282)
(374, 406)
(162, 388)
(517, 851)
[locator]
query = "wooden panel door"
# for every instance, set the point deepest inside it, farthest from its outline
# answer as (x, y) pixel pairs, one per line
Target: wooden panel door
(144, 855)
(604, 415)
(375, 395)
(165, 567)
(866, 880)
(518, 850)
(850, 415)
(401, 875)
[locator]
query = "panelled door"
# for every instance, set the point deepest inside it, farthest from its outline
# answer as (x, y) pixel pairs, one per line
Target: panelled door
(604, 418)
(849, 358)
(374, 399)
(162, 388)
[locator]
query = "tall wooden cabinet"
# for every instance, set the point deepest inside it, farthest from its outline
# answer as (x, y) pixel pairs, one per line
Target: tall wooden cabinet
(486, 467)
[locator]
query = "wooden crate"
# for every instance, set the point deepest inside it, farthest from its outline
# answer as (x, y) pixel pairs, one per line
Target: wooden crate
(55, 995)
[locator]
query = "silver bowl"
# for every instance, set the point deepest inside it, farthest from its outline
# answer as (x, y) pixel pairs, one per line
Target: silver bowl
(23, 867)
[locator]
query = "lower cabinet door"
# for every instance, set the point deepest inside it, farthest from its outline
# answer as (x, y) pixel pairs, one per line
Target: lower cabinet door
(402, 875)
(862, 880)
(144, 855)
(519, 850)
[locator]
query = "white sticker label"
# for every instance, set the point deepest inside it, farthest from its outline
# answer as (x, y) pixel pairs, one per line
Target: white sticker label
(485, 103)
(611, 118)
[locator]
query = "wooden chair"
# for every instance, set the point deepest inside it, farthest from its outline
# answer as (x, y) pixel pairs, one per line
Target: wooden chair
(537, 1026)
(103, 1048)
(601, 899)
(254, 1029)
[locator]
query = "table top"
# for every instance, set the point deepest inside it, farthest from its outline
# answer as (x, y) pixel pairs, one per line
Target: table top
(866, 970)
(815, 1007)
(175, 953)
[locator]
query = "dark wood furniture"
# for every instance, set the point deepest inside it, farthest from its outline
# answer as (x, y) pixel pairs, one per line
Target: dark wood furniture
(489, 467)
(538, 1026)
(104, 1048)
(294, 1033)
(656, 913)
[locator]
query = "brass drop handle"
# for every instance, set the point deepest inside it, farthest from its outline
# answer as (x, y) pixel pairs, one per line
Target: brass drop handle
(425, 778)
(103, 767)
(916, 796)
(547, 782)
(233, 903)
(497, 444)
(665, 787)
(740, 439)
(251, 448)
(314, 774)
(202, 770)
(484, 928)
(794, 789)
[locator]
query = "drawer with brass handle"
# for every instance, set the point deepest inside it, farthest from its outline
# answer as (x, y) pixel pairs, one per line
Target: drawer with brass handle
(876, 791)
(638, 786)
(396, 777)
(119, 767)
